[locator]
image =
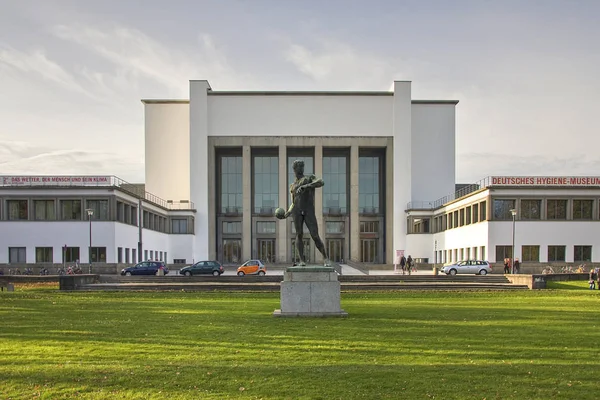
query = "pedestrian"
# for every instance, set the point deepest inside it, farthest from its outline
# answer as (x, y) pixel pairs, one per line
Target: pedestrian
(403, 264)
(592, 277)
(507, 265)
(409, 263)
(517, 266)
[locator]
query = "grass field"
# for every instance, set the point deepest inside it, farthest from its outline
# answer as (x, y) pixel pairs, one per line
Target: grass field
(191, 345)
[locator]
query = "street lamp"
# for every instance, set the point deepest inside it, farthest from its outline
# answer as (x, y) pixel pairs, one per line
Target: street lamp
(90, 212)
(513, 211)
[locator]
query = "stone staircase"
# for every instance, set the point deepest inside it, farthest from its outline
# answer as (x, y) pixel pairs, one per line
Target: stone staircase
(271, 283)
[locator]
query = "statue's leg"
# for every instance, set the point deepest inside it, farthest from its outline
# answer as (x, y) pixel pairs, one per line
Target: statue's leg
(298, 225)
(313, 228)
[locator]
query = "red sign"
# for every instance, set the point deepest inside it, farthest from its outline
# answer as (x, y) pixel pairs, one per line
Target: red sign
(545, 181)
(56, 180)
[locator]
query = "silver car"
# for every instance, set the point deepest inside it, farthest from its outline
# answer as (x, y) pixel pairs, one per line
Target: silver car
(468, 267)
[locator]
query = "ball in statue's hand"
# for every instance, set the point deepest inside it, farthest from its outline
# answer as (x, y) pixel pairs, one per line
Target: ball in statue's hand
(280, 213)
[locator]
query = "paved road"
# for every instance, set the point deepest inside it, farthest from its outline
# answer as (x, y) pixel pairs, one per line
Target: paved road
(346, 270)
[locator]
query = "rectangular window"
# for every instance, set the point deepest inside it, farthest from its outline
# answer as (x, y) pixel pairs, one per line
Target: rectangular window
(44, 210)
(17, 255)
(468, 215)
(369, 226)
(556, 209)
(127, 255)
(231, 186)
(179, 261)
(582, 253)
(234, 227)
(71, 255)
(368, 185)
(462, 217)
(265, 227)
(582, 209)
(483, 255)
(476, 213)
(151, 255)
(145, 254)
(556, 253)
(335, 191)
(531, 209)
(17, 210)
(531, 253)
(455, 219)
(266, 184)
(99, 209)
(483, 210)
(502, 209)
(179, 226)
(134, 256)
(99, 254)
(44, 255)
(119, 254)
(503, 252)
(420, 225)
(70, 210)
(335, 227)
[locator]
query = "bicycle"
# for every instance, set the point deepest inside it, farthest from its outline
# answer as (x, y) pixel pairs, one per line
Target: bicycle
(547, 270)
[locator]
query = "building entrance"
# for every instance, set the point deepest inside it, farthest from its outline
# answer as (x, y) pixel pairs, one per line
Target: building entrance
(368, 250)
(266, 250)
(232, 251)
(307, 250)
(335, 249)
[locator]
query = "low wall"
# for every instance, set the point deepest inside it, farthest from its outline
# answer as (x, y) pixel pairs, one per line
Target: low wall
(538, 281)
(73, 282)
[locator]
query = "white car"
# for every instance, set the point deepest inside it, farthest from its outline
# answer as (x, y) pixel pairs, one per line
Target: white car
(468, 267)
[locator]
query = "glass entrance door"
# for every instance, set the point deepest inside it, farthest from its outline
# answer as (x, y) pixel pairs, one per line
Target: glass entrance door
(307, 250)
(335, 249)
(368, 250)
(232, 251)
(266, 250)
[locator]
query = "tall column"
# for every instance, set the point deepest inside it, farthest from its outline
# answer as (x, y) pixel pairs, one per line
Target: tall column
(282, 227)
(354, 215)
(247, 202)
(390, 252)
(212, 206)
(319, 199)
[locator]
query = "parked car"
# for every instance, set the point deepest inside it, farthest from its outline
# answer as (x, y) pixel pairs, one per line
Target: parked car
(145, 268)
(203, 267)
(252, 267)
(468, 267)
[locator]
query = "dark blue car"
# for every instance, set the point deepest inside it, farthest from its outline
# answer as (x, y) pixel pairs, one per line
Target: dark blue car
(146, 268)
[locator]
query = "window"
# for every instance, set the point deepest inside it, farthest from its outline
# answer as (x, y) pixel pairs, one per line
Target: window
(145, 254)
(179, 261)
(232, 227)
(369, 226)
(531, 209)
(483, 210)
(368, 185)
(231, 186)
(17, 210)
(44, 210)
(462, 217)
(468, 215)
(100, 208)
(502, 209)
(70, 210)
(582, 209)
(531, 253)
(126, 255)
(335, 194)
(455, 219)
(99, 254)
(556, 253)
(420, 225)
(17, 255)
(120, 255)
(502, 252)
(265, 227)
(44, 255)
(556, 209)
(308, 170)
(266, 184)
(476, 213)
(335, 227)
(179, 226)
(232, 251)
(71, 254)
(583, 253)
(134, 256)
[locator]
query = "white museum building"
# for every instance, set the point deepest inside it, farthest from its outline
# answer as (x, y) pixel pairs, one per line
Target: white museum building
(388, 162)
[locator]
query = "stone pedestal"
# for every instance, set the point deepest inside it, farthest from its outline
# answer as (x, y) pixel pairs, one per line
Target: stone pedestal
(310, 291)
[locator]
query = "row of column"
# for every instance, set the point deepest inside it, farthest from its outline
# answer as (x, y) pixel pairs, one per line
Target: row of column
(282, 232)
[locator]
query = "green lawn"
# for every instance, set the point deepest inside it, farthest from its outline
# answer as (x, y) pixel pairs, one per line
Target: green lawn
(409, 345)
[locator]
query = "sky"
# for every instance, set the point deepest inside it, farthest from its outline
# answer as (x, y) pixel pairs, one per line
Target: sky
(72, 72)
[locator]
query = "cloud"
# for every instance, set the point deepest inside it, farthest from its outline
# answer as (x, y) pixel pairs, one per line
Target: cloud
(21, 158)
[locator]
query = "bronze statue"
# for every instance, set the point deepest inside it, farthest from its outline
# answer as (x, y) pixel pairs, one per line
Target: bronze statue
(302, 210)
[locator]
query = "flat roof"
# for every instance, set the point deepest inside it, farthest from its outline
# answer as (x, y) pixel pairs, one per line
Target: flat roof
(249, 93)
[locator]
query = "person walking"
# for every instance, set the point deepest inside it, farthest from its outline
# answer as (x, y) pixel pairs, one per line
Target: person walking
(507, 265)
(403, 264)
(517, 266)
(409, 264)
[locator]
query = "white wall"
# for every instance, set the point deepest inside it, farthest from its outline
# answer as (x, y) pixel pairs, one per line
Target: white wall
(300, 115)
(167, 160)
(433, 161)
(180, 246)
